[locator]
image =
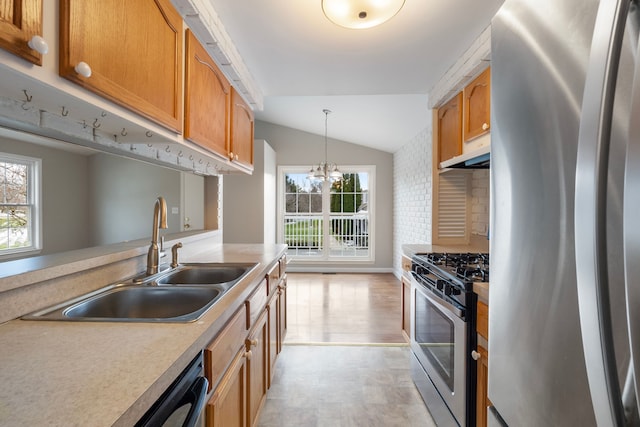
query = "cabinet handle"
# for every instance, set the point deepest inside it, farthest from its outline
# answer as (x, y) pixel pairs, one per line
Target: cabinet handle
(247, 355)
(38, 44)
(83, 69)
(475, 355)
(485, 126)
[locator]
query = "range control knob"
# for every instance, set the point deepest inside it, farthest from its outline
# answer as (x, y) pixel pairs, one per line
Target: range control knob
(441, 284)
(455, 291)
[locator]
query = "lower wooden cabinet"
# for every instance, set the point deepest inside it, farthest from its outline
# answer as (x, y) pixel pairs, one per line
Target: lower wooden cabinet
(282, 312)
(240, 361)
(228, 405)
(405, 301)
(482, 396)
(256, 346)
(273, 347)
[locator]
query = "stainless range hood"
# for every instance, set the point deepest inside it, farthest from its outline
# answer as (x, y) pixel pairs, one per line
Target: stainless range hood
(476, 159)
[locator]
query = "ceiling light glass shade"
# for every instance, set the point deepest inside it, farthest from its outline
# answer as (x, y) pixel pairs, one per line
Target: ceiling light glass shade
(360, 14)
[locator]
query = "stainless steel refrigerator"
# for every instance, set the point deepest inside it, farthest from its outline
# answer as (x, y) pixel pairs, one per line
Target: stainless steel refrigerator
(565, 214)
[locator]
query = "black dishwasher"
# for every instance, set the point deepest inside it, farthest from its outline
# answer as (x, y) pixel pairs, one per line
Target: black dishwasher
(182, 404)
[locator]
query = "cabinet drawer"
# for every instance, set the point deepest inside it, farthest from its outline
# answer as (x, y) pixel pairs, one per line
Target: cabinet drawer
(224, 347)
(483, 320)
(256, 302)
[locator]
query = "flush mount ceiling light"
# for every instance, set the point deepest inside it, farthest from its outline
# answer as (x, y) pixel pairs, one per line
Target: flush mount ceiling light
(360, 14)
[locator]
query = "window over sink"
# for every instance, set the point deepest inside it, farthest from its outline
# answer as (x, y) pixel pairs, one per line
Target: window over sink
(19, 204)
(325, 220)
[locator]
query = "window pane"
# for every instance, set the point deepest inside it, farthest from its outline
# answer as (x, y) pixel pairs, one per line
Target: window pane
(291, 203)
(316, 203)
(15, 223)
(16, 183)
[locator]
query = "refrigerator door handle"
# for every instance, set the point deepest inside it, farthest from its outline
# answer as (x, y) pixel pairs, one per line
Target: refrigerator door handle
(630, 224)
(590, 212)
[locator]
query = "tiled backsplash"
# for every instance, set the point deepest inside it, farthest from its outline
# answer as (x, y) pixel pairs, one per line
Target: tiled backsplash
(480, 202)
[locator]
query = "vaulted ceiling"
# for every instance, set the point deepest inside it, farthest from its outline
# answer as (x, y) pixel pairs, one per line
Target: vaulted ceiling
(375, 81)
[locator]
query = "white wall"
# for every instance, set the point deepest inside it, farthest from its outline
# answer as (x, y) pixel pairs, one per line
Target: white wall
(294, 148)
(249, 201)
(412, 189)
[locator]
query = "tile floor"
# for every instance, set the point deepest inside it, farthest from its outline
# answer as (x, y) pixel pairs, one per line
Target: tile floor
(330, 383)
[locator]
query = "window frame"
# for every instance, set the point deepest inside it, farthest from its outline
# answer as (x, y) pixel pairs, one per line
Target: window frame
(326, 256)
(34, 201)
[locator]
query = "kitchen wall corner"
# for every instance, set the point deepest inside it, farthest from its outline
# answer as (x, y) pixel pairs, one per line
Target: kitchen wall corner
(412, 188)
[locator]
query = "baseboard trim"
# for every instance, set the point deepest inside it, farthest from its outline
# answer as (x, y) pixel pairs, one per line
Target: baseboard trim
(345, 344)
(299, 269)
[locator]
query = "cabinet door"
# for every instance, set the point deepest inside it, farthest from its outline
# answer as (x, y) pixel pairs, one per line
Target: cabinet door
(482, 396)
(273, 348)
(257, 368)
(206, 105)
(477, 106)
(406, 308)
(449, 129)
(134, 49)
(227, 406)
(282, 312)
(223, 348)
(19, 21)
(241, 131)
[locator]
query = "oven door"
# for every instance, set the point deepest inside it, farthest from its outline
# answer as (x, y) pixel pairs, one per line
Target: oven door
(439, 343)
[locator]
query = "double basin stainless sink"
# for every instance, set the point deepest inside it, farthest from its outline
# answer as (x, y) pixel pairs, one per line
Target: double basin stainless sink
(182, 294)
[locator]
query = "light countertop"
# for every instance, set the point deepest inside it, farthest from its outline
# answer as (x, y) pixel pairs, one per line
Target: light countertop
(59, 373)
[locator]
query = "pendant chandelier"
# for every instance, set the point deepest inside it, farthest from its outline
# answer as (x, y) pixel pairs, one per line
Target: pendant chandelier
(325, 171)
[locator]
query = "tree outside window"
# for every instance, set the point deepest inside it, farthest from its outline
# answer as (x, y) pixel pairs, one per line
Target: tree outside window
(17, 203)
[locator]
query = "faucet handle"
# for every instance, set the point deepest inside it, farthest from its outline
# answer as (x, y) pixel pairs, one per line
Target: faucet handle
(174, 254)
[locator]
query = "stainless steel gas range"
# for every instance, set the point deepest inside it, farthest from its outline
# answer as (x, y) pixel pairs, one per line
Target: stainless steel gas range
(443, 317)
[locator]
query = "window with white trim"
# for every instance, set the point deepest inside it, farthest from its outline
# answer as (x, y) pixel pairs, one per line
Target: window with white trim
(19, 204)
(327, 221)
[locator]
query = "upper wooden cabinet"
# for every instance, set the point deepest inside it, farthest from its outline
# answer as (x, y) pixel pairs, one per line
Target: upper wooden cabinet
(449, 123)
(134, 51)
(19, 21)
(477, 106)
(207, 96)
(241, 131)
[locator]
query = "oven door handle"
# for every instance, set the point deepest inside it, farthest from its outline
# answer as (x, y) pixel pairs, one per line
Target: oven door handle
(437, 301)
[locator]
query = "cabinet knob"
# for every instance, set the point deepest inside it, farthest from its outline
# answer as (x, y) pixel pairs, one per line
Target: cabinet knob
(38, 44)
(247, 355)
(231, 155)
(485, 126)
(252, 343)
(475, 355)
(83, 69)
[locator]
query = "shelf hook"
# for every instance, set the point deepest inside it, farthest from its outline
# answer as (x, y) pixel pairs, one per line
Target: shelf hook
(26, 95)
(124, 132)
(148, 134)
(65, 112)
(96, 124)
